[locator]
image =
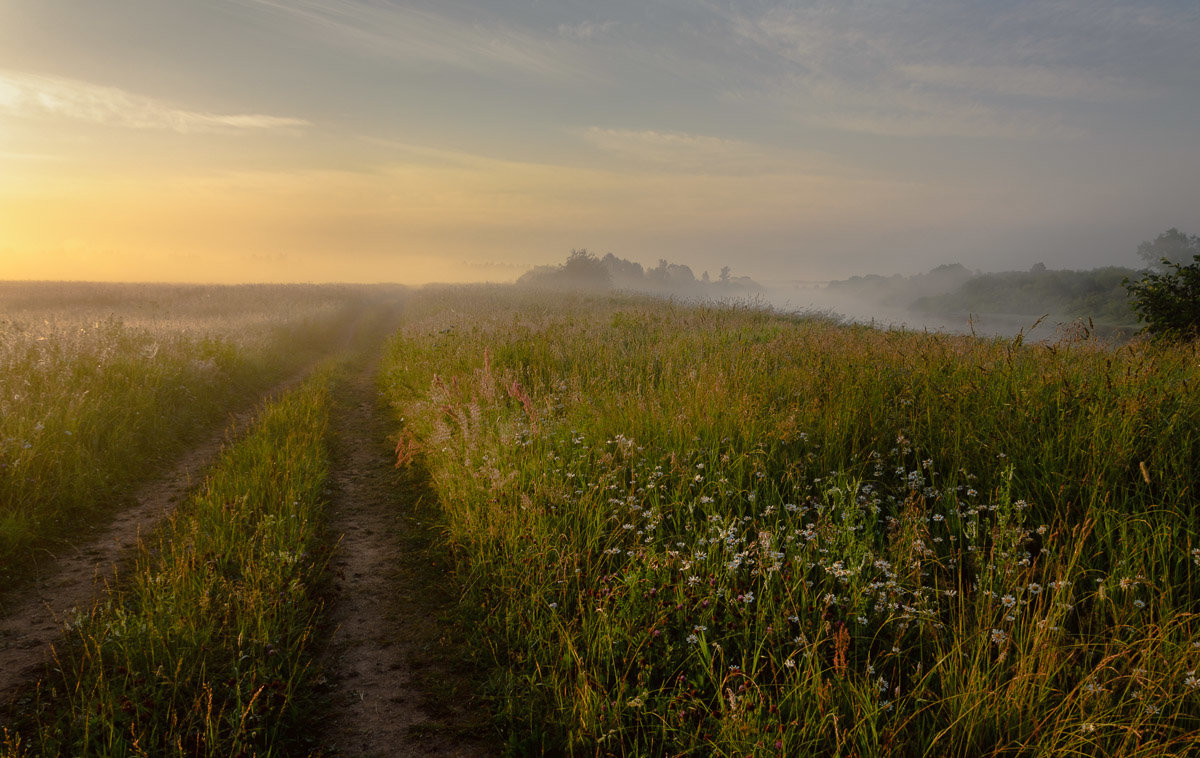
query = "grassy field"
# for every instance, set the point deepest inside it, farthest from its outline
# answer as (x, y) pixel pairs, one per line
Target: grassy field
(720, 531)
(682, 529)
(100, 384)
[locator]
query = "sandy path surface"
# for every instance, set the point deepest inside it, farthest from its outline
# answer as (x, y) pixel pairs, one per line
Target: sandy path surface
(396, 687)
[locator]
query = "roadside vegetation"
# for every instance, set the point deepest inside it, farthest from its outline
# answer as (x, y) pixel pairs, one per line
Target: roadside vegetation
(722, 531)
(102, 384)
(204, 646)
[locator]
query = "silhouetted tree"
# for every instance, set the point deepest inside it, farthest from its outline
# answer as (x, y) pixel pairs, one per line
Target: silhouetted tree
(585, 270)
(623, 271)
(1172, 246)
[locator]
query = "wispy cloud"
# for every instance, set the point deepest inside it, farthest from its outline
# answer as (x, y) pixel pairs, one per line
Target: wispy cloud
(35, 95)
(1036, 81)
(482, 43)
(915, 67)
(586, 30)
(684, 152)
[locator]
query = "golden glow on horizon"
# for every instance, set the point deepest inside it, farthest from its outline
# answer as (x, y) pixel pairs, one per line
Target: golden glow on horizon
(416, 219)
(380, 141)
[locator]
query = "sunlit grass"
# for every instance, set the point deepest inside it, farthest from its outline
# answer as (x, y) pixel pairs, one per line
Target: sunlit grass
(204, 646)
(720, 531)
(101, 384)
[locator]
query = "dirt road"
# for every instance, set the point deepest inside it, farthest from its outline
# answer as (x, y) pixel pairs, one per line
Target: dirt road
(397, 685)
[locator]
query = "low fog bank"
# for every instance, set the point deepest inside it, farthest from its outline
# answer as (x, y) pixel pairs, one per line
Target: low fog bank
(1040, 303)
(823, 300)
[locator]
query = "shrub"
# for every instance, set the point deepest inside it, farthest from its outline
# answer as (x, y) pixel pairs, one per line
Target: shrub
(1169, 302)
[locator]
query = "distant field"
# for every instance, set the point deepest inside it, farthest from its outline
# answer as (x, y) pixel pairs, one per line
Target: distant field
(718, 531)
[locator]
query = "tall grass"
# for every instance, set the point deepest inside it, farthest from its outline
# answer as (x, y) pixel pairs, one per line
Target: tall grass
(204, 646)
(722, 531)
(99, 384)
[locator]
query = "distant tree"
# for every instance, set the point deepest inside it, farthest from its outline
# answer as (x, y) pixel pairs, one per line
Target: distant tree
(724, 277)
(950, 268)
(585, 270)
(660, 274)
(679, 274)
(704, 277)
(624, 272)
(1038, 268)
(582, 270)
(1172, 246)
(1169, 301)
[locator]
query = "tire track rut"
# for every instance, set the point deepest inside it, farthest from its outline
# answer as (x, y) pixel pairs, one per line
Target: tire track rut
(396, 685)
(80, 575)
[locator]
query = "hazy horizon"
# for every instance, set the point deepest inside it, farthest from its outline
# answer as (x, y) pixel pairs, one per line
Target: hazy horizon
(412, 142)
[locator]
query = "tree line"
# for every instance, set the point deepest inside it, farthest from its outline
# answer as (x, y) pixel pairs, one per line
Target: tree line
(587, 271)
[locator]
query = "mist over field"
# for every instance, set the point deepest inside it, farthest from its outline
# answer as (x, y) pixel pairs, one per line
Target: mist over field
(631, 378)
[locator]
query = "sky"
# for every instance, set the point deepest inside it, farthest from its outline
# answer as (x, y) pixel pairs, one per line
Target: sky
(442, 140)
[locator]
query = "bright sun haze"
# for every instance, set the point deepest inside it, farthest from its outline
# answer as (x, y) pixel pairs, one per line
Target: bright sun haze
(251, 140)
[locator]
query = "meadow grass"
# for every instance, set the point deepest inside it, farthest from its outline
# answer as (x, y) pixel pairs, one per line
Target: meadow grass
(699, 530)
(204, 646)
(101, 384)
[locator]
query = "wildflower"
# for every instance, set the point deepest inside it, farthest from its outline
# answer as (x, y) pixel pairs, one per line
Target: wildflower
(1191, 681)
(1139, 604)
(790, 663)
(998, 636)
(1009, 601)
(1034, 589)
